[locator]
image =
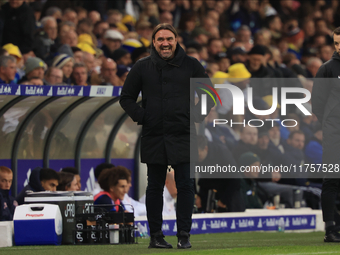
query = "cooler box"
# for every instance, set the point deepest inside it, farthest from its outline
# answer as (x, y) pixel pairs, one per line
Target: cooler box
(37, 224)
(65, 201)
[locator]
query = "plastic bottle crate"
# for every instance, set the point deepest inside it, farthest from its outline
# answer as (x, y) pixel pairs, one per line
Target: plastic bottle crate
(103, 226)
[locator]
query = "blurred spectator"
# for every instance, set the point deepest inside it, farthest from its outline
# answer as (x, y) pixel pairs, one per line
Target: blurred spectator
(66, 26)
(248, 183)
(114, 17)
(18, 25)
(193, 53)
(313, 150)
(7, 69)
(70, 15)
(79, 74)
(99, 30)
(247, 142)
(122, 57)
(166, 17)
(274, 25)
(186, 26)
(237, 75)
(237, 55)
(46, 38)
(67, 182)
(81, 13)
(112, 41)
(109, 73)
(243, 35)
(54, 12)
(200, 35)
(89, 61)
(78, 55)
(84, 26)
(70, 37)
(41, 179)
(7, 202)
(215, 46)
(34, 68)
(76, 174)
(144, 30)
(247, 15)
(65, 63)
(263, 37)
(139, 53)
(122, 72)
(94, 16)
(54, 76)
(313, 66)
(326, 52)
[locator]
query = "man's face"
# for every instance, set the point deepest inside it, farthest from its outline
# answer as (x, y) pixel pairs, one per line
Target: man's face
(74, 185)
(9, 71)
(119, 190)
(297, 141)
(71, 16)
(263, 142)
(215, 47)
(89, 61)
(80, 75)
(50, 185)
(108, 70)
(55, 77)
(113, 44)
(165, 44)
(51, 29)
(16, 3)
(37, 72)
(249, 135)
(337, 43)
(101, 28)
(274, 133)
(326, 53)
(78, 56)
(6, 180)
(71, 38)
(255, 61)
(244, 36)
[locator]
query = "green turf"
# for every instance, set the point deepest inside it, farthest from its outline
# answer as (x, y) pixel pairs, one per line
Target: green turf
(216, 244)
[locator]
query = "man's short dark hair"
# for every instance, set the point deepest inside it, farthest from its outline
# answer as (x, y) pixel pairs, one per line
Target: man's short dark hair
(71, 170)
(164, 26)
(48, 174)
(101, 167)
(291, 135)
(110, 177)
(336, 31)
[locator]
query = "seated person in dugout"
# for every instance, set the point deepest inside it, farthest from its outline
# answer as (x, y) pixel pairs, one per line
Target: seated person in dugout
(68, 182)
(41, 179)
(114, 182)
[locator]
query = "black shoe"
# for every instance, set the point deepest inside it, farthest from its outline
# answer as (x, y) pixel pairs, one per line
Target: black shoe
(183, 240)
(332, 234)
(157, 241)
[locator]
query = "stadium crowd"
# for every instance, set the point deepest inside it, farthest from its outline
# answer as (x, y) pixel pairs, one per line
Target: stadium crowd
(97, 42)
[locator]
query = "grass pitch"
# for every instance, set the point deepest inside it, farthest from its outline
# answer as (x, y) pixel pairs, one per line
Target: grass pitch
(227, 243)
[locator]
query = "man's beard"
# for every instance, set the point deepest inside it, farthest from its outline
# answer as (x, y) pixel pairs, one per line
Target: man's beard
(167, 56)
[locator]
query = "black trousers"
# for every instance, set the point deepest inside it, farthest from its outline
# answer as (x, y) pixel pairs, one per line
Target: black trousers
(330, 189)
(154, 196)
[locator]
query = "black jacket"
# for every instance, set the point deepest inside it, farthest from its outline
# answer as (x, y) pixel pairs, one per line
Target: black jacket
(7, 205)
(19, 26)
(326, 107)
(34, 185)
(165, 111)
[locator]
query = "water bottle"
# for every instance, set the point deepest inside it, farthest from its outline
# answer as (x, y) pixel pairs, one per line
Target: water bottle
(281, 225)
